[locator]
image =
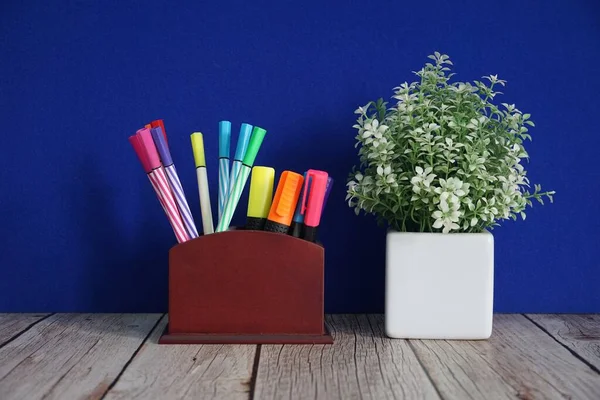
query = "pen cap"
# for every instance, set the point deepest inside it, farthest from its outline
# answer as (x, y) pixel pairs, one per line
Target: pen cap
(198, 149)
(286, 197)
(312, 205)
(224, 138)
(298, 216)
(138, 147)
(327, 191)
(161, 146)
(258, 135)
(158, 123)
(148, 144)
(261, 192)
(242, 142)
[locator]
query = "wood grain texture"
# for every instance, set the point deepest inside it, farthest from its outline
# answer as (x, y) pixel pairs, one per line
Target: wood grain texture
(71, 356)
(580, 333)
(361, 364)
(186, 371)
(13, 324)
(518, 361)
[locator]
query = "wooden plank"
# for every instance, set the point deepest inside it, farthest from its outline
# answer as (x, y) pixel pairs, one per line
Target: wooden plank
(519, 360)
(580, 333)
(186, 371)
(361, 364)
(13, 324)
(71, 356)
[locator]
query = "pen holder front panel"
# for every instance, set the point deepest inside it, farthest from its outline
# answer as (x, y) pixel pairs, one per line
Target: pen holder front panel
(246, 287)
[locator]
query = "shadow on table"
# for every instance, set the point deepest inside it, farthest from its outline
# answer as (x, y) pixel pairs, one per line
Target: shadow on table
(371, 325)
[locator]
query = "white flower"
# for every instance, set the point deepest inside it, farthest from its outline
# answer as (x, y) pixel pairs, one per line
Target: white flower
(372, 128)
(453, 186)
(423, 179)
(448, 220)
(448, 212)
(449, 200)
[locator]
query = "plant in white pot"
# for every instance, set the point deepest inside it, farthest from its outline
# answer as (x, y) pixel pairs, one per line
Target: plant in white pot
(441, 167)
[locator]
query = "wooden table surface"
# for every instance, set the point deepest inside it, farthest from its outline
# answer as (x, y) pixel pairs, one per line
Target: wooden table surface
(116, 356)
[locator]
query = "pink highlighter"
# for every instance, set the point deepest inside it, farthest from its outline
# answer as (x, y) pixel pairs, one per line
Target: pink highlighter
(315, 186)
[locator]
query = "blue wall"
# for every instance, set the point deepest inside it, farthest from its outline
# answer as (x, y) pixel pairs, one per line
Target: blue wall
(81, 229)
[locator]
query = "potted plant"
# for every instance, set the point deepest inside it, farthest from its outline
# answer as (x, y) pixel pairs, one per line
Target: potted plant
(441, 167)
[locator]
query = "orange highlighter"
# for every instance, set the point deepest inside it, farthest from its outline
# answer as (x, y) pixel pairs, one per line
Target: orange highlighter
(284, 202)
(312, 202)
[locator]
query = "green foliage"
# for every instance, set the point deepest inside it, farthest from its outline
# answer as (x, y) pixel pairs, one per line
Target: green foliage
(444, 157)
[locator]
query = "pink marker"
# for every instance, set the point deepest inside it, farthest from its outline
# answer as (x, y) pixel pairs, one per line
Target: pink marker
(138, 147)
(158, 175)
(315, 186)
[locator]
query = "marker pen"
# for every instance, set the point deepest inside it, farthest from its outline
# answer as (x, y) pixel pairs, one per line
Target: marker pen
(297, 228)
(202, 176)
(240, 152)
(261, 196)
(284, 202)
(312, 202)
(174, 182)
(258, 135)
(224, 144)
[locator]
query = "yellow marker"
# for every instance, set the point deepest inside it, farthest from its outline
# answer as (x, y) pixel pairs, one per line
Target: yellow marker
(261, 195)
(198, 148)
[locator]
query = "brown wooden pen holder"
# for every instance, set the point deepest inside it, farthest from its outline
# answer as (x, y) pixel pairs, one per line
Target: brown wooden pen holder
(246, 287)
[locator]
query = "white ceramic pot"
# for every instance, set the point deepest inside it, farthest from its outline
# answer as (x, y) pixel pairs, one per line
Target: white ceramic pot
(439, 286)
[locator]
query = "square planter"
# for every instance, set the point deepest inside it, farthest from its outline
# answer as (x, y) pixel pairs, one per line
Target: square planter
(439, 286)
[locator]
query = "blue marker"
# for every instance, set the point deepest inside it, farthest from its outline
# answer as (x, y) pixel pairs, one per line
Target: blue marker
(240, 151)
(297, 228)
(224, 140)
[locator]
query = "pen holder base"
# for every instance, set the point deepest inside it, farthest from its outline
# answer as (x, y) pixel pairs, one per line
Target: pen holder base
(209, 338)
(244, 286)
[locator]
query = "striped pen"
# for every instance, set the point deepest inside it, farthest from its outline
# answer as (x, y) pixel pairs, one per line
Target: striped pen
(258, 135)
(224, 145)
(158, 176)
(240, 152)
(174, 182)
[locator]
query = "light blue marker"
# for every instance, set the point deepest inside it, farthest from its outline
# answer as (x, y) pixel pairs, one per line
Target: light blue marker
(224, 145)
(240, 151)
